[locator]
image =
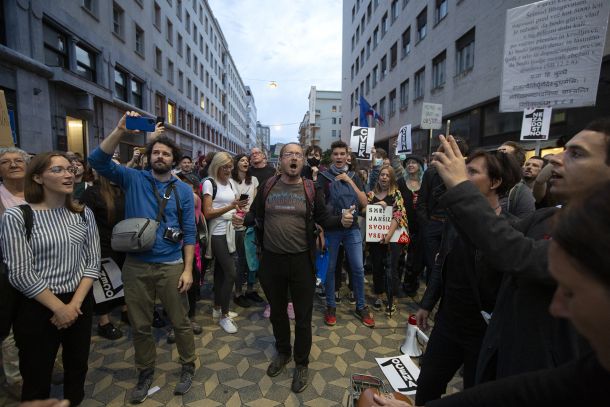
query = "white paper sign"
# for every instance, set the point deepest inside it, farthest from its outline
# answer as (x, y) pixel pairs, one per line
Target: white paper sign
(405, 144)
(110, 284)
(362, 141)
(401, 372)
(552, 54)
(431, 116)
(378, 221)
(536, 124)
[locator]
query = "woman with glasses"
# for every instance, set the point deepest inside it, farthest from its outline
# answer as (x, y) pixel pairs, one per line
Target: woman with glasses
(54, 269)
(220, 201)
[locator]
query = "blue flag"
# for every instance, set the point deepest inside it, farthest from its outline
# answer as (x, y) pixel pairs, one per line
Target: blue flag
(365, 111)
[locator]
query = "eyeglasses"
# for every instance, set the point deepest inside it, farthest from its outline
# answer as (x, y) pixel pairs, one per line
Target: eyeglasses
(18, 162)
(58, 169)
(291, 154)
(227, 167)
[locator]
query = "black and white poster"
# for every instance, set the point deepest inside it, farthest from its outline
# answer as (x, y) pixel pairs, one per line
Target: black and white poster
(404, 143)
(362, 141)
(110, 284)
(401, 372)
(536, 124)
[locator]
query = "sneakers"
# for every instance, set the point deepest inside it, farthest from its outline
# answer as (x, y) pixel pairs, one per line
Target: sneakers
(158, 322)
(351, 298)
(290, 310)
(330, 317)
(378, 305)
(216, 313)
(171, 336)
(321, 292)
(390, 310)
(365, 316)
(337, 297)
(186, 379)
(242, 301)
(299, 378)
(267, 311)
(228, 325)
(277, 364)
(140, 392)
(197, 329)
(109, 331)
(254, 297)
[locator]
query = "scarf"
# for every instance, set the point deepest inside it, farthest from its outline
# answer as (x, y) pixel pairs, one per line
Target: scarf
(336, 170)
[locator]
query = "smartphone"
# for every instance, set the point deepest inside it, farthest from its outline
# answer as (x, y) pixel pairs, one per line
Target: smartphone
(160, 119)
(243, 197)
(140, 123)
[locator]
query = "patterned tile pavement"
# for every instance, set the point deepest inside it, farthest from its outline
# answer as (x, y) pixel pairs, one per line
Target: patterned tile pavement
(231, 368)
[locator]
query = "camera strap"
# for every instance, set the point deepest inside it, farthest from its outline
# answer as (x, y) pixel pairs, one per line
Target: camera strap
(162, 201)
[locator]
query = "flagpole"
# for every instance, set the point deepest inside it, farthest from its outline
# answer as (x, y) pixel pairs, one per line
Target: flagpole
(430, 146)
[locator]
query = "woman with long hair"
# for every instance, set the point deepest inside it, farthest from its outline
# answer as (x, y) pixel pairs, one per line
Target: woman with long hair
(107, 202)
(386, 193)
(54, 269)
(247, 184)
(220, 201)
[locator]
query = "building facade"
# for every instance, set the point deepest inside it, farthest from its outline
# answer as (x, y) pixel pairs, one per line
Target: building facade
(398, 54)
(263, 137)
(321, 124)
(70, 68)
(251, 123)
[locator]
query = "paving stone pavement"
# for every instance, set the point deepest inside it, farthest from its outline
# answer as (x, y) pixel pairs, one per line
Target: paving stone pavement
(231, 368)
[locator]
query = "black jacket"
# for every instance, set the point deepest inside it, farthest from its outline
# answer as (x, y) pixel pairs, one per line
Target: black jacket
(522, 336)
(432, 188)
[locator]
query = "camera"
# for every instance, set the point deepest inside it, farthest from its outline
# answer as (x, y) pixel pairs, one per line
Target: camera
(173, 235)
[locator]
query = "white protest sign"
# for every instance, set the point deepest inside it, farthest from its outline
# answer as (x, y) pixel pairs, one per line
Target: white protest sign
(536, 124)
(362, 141)
(401, 372)
(404, 142)
(431, 116)
(110, 284)
(378, 221)
(552, 54)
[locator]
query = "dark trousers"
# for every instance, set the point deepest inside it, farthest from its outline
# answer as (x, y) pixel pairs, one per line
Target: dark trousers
(384, 256)
(447, 350)
(278, 274)
(38, 341)
(414, 264)
(433, 233)
(224, 273)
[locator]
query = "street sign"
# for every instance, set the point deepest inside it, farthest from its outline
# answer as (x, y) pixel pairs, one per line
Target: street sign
(6, 134)
(536, 124)
(431, 116)
(362, 141)
(405, 143)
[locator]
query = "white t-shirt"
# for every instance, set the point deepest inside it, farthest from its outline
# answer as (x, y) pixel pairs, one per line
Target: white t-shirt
(243, 188)
(224, 196)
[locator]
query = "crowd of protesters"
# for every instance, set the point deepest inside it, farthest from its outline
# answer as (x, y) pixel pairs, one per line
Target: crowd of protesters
(513, 254)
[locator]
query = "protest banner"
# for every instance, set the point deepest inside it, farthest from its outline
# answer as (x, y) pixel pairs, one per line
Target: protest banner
(362, 141)
(405, 143)
(109, 286)
(401, 372)
(536, 124)
(431, 116)
(378, 221)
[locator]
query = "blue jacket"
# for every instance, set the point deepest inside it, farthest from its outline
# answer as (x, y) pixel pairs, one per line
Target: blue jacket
(140, 202)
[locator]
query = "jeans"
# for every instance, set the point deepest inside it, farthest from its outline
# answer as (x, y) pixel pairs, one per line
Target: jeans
(224, 272)
(352, 243)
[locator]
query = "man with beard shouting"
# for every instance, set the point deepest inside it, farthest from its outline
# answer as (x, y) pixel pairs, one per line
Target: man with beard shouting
(162, 270)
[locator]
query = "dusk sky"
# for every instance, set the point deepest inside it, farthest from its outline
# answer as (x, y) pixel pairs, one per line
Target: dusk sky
(294, 43)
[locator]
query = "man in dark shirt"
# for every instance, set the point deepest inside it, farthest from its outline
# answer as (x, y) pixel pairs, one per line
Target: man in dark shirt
(259, 168)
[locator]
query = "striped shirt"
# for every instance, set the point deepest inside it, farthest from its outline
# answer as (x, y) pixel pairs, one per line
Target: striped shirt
(62, 250)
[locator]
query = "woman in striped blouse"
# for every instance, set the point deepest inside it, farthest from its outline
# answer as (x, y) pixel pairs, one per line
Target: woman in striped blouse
(54, 269)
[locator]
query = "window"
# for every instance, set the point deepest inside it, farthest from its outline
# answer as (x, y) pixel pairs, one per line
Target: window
(180, 81)
(181, 115)
(384, 24)
(438, 70)
(392, 102)
(464, 53)
(55, 47)
(333, 133)
(118, 17)
(85, 62)
(170, 71)
(384, 67)
(352, 72)
(90, 6)
(169, 34)
(157, 16)
(404, 94)
(375, 37)
(139, 40)
(136, 93)
(440, 11)
(188, 23)
(158, 60)
(357, 65)
(362, 58)
(382, 107)
(369, 11)
(179, 9)
(368, 49)
(171, 113)
(188, 56)
(419, 83)
(179, 44)
(189, 90)
(353, 13)
(333, 109)
(120, 84)
(394, 55)
(362, 24)
(394, 11)
(375, 76)
(195, 64)
(367, 84)
(159, 105)
(406, 42)
(422, 21)
(334, 120)
(189, 122)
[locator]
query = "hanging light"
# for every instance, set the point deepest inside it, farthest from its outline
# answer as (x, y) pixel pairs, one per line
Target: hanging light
(273, 84)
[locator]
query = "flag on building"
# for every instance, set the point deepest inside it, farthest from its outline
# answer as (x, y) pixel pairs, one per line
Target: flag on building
(365, 111)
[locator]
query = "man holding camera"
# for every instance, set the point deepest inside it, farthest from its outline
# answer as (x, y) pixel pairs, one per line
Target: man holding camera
(165, 269)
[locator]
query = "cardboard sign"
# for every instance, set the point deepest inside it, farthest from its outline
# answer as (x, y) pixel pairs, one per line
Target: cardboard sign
(401, 372)
(431, 116)
(362, 141)
(378, 221)
(404, 142)
(6, 134)
(536, 124)
(553, 54)
(110, 284)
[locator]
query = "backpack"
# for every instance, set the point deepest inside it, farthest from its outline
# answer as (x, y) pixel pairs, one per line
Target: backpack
(340, 195)
(9, 295)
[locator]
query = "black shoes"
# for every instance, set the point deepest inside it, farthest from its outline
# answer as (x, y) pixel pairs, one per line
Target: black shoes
(242, 301)
(277, 364)
(140, 392)
(299, 378)
(186, 379)
(158, 322)
(254, 297)
(109, 331)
